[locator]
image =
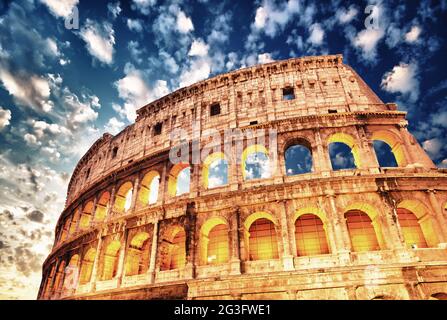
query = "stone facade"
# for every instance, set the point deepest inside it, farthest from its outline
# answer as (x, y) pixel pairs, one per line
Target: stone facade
(113, 243)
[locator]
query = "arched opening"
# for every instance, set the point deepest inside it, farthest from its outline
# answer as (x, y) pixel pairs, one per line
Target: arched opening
(384, 154)
(150, 184)
(214, 242)
(123, 198)
(87, 266)
(215, 170)
(310, 236)
(262, 240)
(179, 179)
(389, 150)
(137, 260)
(256, 163)
(86, 215)
(71, 273)
(49, 281)
(174, 250)
(298, 159)
(59, 277)
(361, 231)
(74, 220)
(102, 206)
(343, 152)
(417, 224)
(65, 229)
(110, 260)
(411, 230)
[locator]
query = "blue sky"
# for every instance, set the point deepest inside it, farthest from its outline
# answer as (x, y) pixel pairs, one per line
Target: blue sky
(61, 89)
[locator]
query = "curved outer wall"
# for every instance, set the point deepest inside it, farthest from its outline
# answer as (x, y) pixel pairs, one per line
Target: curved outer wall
(331, 104)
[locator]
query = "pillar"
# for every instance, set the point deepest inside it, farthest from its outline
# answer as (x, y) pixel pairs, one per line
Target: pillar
(393, 236)
(94, 275)
(441, 223)
(153, 257)
(322, 159)
(136, 189)
(190, 229)
(111, 203)
(122, 256)
(341, 232)
(287, 256)
(235, 260)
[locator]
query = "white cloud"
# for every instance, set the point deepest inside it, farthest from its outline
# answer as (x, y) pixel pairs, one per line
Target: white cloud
(134, 25)
(114, 9)
(28, 90)
(367, 40)
(433, 146)
(402, 79)
(99, 40)
(136, 93)
(5, 116)
(316, 34)
(184, 23)
(144, 6)
(265, 58)
(413, 35)
(198, 48)
(199, 69)
(260, 18)
(114, 126)
(60, 8)
(271, 17)
(346, 16)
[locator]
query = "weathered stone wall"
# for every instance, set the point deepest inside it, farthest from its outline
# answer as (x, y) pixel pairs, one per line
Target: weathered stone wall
(331, 103)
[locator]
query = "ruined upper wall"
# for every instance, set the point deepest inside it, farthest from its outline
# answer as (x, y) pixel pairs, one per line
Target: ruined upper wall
(321, 85)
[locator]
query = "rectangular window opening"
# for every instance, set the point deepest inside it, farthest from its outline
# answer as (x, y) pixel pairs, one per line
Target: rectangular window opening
(215, 109)
(157, 128)
(288, 93)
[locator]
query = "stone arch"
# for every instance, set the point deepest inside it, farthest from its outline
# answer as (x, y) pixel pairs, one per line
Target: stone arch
(349, 141)
(298, 148)
(87, 266)
(110, 260)
(214, 241)
(394, 142)
(58, 281)
(148, 193)
(71, 273)
(311, 235)
(123, 197)
(86, 215)
(364, 227)
(137, 258)
(208, 164)
(173, 249)
(265, 170)
(424, 218)
(173, 183)
(102, 206)
(261, 236)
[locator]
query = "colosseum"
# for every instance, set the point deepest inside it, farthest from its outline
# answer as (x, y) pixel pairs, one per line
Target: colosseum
(137, 225)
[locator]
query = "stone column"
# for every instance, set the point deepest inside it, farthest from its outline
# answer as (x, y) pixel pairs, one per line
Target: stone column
(122, 256)
(440, 221)
(136, 189)
(111, 203)
(343, 242)
(287, 257)
(322, 159)
(407, 145)
(190, 229)
(367, 156)
(95, 204)
(153, 258)
(235, 260)
(391, 221)
(95, 271)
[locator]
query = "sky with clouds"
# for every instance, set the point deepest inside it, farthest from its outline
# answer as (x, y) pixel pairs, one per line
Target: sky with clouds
(62, 88)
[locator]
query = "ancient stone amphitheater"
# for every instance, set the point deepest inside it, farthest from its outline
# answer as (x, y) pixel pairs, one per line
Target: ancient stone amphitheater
(131, 230)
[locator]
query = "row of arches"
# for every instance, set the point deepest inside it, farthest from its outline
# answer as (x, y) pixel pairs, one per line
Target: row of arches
(262, 238)
(298, 159)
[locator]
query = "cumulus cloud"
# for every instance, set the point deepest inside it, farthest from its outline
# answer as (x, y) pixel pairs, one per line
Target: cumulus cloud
(271, 17)
(134, 25)
(5, 117)
(99, 40)
(114, 9)
(114, 126)
(60, 8)
(184, 23)
(35, 216)
(198, 48)
(367, 41)
(345, 16)
(402, 79)
(265, 58)
(413, 35)
(198, 70)
(316, 34)
(136, 93)
(433, 146)
(144, 6)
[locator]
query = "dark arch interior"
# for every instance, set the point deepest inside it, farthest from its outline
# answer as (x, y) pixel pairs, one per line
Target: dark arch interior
(341, 156)
(298, 160)
(384, 154)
